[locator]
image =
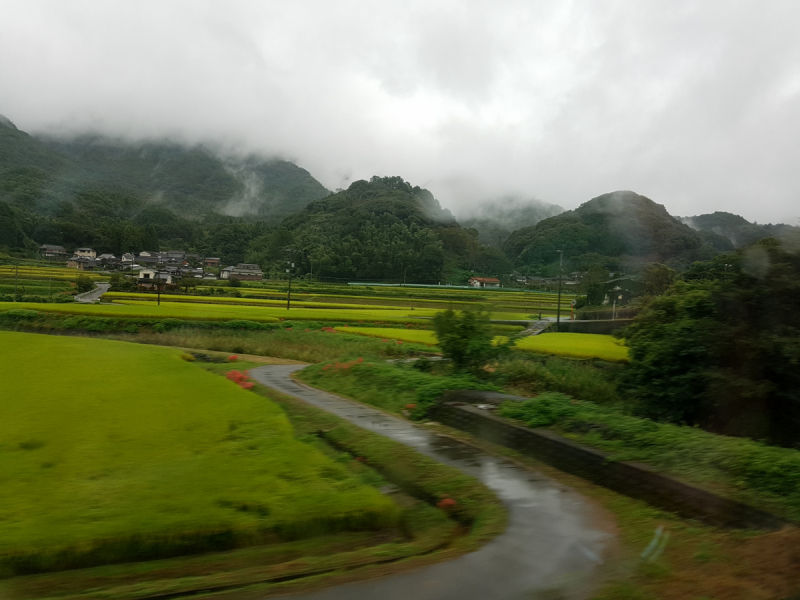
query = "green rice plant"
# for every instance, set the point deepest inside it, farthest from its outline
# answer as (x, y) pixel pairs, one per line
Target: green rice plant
(114, 452)
(576, 345)
(258, 313)
(416, 336)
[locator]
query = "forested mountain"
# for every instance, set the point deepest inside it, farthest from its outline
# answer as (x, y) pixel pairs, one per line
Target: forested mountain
(42, 173)
(496, 220)
(621, 223)
(738, 230)
(384, 228)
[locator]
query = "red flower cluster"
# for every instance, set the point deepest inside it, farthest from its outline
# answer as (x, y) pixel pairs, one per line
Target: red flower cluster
(343, 366)
(240, 379)
(233, 358)
(446, 503)
(329, 330)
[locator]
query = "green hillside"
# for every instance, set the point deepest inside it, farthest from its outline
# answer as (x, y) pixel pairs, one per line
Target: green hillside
(42, 173)
(615, 224)
(496, 220)
(384, 228)
(737, 230)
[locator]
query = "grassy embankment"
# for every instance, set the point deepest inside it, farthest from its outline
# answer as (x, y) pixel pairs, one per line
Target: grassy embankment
(745, 470)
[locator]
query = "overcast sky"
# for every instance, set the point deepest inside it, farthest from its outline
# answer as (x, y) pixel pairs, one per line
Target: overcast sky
(695, 104)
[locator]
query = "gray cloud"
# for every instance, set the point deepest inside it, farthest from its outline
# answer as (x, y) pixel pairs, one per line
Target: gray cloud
(696, 105)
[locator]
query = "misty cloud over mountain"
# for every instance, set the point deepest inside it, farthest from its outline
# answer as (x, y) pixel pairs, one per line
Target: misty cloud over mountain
(694, 105)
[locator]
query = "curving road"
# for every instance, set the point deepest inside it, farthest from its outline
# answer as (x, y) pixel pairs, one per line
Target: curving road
(91, 296)
(551, 549)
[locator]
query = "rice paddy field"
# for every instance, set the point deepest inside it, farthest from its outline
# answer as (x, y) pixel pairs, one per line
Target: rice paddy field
(124, 450)
(573, 345)
(576, 345)
(42, 274)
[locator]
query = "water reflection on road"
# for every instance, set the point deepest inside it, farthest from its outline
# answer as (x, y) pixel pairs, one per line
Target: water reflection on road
(551, 548)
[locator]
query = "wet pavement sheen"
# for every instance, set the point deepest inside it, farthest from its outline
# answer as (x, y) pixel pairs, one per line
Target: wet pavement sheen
(551, 548)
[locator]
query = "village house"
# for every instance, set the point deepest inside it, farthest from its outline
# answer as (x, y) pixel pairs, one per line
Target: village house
(83, 263)
(87, 252)
(243, 272)
(210, 261)
(51, 251)
(149, 279)
(484, 282)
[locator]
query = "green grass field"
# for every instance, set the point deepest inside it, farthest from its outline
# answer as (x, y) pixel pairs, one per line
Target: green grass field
(110, 451)
(575, 345)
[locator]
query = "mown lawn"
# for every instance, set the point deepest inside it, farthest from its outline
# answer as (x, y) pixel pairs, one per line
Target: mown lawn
(112, 451)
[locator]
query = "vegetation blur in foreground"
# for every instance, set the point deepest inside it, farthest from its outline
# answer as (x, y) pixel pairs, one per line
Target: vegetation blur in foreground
(154, 450)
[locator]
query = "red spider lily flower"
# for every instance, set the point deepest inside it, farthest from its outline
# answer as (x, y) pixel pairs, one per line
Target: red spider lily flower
(246, 385)
(233, 358)
(384, 340)
(446, 503)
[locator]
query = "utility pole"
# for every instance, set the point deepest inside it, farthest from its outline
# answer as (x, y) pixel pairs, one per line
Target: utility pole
(289, 295)
(158, 279)
(558, 310)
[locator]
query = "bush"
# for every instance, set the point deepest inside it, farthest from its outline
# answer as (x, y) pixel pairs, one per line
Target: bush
(84, 284)
(466, 338)
(234, 282)
(582, 379)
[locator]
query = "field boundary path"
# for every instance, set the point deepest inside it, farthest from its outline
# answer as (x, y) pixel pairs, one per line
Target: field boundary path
(99, 290)
(553, 544)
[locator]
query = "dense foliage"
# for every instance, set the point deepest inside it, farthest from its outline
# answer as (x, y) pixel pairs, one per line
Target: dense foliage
(736, 230)
(616, 224)
(722, 347)
(465, 338)
(378, 229)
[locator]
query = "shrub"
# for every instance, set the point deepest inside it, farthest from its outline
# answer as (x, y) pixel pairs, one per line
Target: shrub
(466, 338)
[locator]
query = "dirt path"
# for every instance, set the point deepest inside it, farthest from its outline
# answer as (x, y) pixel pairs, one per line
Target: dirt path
(552, 548)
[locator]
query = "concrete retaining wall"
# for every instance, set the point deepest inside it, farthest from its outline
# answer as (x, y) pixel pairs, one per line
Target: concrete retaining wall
(632, 479)
(593, 326)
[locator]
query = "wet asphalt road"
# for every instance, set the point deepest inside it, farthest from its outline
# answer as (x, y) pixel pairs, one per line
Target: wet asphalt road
(551, 549)
(99, 290)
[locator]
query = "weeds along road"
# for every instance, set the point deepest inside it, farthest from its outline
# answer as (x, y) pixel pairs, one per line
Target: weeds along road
(551, 546)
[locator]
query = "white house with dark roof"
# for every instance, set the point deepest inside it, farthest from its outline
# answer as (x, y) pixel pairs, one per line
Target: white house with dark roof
(87, 252)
